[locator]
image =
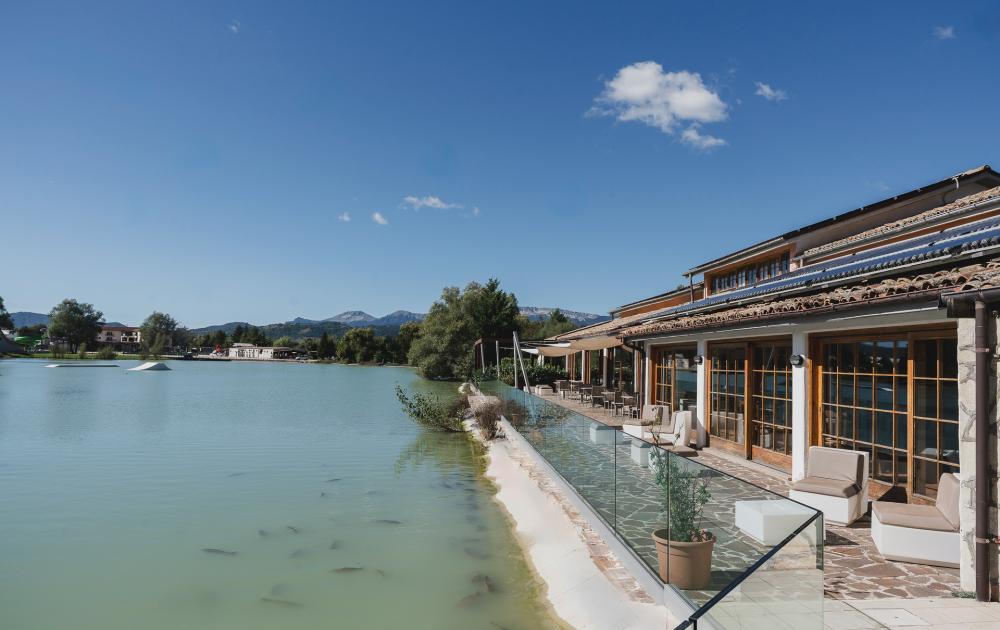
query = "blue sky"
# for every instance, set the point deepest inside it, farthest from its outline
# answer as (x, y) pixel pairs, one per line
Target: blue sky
(199, 158)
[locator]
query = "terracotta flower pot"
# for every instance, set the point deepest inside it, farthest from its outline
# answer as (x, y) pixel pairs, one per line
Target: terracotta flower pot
(686, 565)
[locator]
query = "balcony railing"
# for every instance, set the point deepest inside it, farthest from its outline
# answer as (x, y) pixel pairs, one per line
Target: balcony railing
(765, 567)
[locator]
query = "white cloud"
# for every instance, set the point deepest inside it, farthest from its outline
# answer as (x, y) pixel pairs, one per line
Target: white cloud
(378, 218)
(234, 26)
(344, 217)
(769, 93)
(643, 92)
(475, 211)
(698, 140)
(944, 32)
(430, 201)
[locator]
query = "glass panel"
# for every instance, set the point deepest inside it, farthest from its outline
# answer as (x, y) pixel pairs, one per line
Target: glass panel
(901, 431)
(882, 467)
(926, 357)
(925, 477)
(866, 356)
(846, 423)
(830, 357)
(883, 428)
(864, 391)
(902, 356)
(949, 400)
(883, 392)
(925, 398)
(949, 442)
(846, 385)
(949, 358)
(925, 442)
(883, 361)
(847, 357)
(863, 422)
(901, 395)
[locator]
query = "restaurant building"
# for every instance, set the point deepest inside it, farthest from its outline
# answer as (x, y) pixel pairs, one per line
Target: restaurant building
(856, 332)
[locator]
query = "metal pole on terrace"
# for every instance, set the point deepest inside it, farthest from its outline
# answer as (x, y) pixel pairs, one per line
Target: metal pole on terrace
(520, 360)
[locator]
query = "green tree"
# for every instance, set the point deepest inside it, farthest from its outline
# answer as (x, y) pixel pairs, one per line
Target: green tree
(326, 348)
(157, 328)
(286, 342)
(75, 322)
(555, 324)
(357, 346)
(5, 319)
(443, 349)
(403, 341)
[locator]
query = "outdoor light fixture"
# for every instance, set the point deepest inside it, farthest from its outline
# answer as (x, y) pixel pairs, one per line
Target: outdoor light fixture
(797, 360)
(698, 360)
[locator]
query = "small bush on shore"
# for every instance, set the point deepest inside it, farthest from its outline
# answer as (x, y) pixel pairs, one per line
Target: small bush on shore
(488, 419)
(430, 412)
(544, 374)
(82, 351)
(106, 353)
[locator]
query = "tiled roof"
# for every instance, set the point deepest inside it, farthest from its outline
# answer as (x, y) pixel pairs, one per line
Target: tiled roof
(953, 208)
(604, 328)
(964, 278)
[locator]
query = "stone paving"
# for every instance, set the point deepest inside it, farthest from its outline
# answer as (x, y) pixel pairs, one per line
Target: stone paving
(853, 568)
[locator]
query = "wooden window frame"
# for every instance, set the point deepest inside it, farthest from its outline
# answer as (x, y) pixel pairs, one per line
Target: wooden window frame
(656, 367)
(911, 334)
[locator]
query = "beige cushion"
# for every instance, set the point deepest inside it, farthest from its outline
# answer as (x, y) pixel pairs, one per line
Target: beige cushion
(828, 487)
(947, 498)
(912, 516)
(683, 451)
(835, 463)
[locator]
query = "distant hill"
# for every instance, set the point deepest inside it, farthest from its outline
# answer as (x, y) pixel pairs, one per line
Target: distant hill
(26, 318)
(352, 318)
(578, 318)
(293, 329)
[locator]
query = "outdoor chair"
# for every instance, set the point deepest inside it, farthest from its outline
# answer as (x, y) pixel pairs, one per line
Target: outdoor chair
(596, 397)
(651, 415)
(561, 388)
(923, 534)
(610, 398)
(675, 439)
(836, 483)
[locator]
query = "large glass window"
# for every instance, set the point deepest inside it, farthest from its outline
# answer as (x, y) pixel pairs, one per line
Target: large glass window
(675, 377)
(622, 369)
(727, 388)
(771, 397)
(935, 412)
(874, 391)
(596, 367)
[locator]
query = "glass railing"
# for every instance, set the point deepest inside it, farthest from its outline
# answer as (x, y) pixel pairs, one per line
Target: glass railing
(738, 555)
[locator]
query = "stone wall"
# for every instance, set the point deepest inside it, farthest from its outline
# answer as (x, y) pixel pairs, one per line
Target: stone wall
(967, 447)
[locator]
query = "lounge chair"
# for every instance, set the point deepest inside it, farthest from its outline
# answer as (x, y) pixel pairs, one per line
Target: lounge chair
(677, 438)
(923, 534)
(651, 415)
(836, 483)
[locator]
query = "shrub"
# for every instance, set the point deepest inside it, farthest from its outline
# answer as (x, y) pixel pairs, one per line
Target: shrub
(684, 493)
(430, 412)
(544, 374)
(488, 418)
(106, 353)
(82, 351)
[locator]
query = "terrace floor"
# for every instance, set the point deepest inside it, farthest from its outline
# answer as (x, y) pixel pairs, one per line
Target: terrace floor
(853, 568)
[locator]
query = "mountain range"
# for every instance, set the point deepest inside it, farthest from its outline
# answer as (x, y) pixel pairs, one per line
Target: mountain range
(336, 325)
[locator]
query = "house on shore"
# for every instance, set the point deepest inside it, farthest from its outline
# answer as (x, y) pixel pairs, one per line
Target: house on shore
(121, 338)
(857, 332)
(259, 353)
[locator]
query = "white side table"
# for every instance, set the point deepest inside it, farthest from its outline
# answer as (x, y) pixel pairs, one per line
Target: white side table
(640, 452)
(770, 522)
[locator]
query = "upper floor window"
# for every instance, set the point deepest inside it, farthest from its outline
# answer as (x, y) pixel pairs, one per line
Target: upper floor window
(749, 275)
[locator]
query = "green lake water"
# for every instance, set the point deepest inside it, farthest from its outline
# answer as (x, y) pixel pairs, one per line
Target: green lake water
(113, 482)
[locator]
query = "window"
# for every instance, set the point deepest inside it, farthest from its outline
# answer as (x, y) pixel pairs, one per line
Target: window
(622, 369)
(875, 391)
(595, 358)
(771, 397)
(750, 274)
(675, 377)
(727, 383)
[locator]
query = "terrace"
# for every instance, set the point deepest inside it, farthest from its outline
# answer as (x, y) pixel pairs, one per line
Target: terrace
(853, 568)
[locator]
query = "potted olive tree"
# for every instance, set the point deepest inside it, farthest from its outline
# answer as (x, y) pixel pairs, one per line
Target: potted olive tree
(683, 548)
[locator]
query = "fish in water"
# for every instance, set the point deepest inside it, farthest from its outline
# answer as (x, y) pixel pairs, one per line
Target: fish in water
(496, 625)
(280, 602)
(469, 600)
(334, 545)
(381, 573)
(262, 533)
(279, 589)
(323, 495)
(298, 553)
(219, 552)
(294, 530)
(237, 474)
(475, 553)
(347, 569)
(333, 480)
(387, 521)
(485, 583)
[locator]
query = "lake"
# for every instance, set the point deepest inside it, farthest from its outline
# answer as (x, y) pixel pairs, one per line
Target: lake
(113, 484)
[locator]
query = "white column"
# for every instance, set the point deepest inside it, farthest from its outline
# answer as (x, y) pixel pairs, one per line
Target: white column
(702, 351)
(650, 377)
(800, 407)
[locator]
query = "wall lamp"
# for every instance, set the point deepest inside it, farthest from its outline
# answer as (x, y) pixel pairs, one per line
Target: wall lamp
(698, 360)
(797, 360)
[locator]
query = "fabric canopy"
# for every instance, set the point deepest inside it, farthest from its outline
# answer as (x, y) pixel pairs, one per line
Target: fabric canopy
(556, 351)
(595, 343)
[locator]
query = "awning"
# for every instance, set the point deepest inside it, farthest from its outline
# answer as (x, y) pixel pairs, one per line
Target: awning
(556, 351)
(595, 343)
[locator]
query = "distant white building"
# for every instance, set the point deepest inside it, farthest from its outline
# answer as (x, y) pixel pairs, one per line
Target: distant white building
(122, 338)
(260, 353)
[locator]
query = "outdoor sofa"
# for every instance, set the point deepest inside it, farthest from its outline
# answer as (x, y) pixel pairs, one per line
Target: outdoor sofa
(836, 483)
(923, 534)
